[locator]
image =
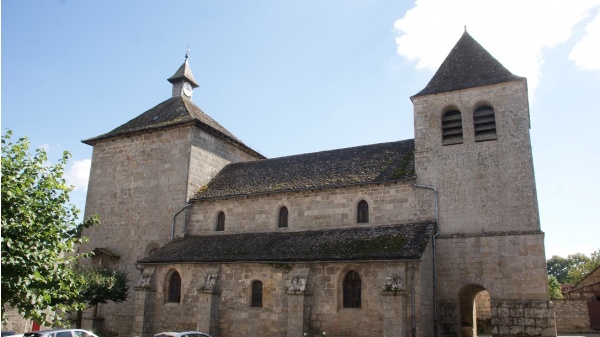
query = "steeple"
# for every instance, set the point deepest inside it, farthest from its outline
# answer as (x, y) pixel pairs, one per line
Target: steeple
(467, 65)
(183, 80)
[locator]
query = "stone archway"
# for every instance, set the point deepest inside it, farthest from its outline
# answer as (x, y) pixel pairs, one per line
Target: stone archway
(474, 311)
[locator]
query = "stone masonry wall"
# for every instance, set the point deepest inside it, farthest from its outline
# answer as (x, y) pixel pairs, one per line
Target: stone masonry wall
(383, 312)
(523, 318)
(390, 203)
(483, 186)
(572, 316)
(510, 267)
(137, 183)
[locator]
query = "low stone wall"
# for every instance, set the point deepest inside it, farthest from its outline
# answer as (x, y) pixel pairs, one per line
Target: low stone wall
(572, 315)
(523, 318)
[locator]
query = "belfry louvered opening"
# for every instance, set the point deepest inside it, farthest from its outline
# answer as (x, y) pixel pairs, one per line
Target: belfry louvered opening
(452, 132)
(484, 124)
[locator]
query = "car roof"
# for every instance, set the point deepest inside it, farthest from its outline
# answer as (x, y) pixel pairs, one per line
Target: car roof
(177, 334)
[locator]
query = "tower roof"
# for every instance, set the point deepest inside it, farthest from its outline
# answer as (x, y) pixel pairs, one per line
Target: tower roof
(467, 65)
(184, 72)
(174, 112)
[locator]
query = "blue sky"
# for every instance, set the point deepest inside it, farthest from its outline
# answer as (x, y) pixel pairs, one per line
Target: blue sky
(297, 76)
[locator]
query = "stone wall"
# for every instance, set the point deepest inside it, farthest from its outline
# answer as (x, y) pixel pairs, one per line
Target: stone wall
(509, 266)
(15, 322)
(523, 318)
(572, 315)
(137, 183)
(389, 203)
(288, 310)
(483, 186)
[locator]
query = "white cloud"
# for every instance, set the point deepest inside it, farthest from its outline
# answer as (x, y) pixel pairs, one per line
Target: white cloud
(516, 32)
(586, 53)
(78, 173)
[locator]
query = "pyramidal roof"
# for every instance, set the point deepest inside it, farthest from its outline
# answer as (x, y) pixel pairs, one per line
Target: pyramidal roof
(184, 72)
(467, 65)
(176, 111)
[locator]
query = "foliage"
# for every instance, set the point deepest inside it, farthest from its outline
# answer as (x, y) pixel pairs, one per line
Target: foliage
(39, 233)
(583, 267)
(573, 268)
(102, 285)
(554, 287)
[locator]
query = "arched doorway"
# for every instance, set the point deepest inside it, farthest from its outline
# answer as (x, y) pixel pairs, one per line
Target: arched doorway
(475, 313)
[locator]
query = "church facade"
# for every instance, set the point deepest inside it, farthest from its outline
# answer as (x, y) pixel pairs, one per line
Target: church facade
(433, 236)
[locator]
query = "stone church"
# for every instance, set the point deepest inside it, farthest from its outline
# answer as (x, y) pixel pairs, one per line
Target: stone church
(433, 236)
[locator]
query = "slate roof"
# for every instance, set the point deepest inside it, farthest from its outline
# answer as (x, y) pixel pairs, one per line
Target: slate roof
(174, 111)
(362, 164)
(467, 65)
(396, 242)
(184, 72)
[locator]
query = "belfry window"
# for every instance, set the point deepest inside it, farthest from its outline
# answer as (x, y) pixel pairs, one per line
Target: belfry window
(221, 222)
(257, 292)
(362, 212)
(452, 132)
(352, 290)
(283, 217)
(484, 124)
(175, 287)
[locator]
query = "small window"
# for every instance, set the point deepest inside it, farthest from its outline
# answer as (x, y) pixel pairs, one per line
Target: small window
(283, 217)
(221, 222)
(363, 212)
(352, 290)
(452, 132)
(175, 288)
(257, 292)
(484, 124)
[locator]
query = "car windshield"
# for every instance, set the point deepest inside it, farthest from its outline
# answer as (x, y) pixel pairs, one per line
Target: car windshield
(32, 334)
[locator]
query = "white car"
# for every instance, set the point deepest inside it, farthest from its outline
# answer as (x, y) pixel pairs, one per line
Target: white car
(60, 333)
(182, 334)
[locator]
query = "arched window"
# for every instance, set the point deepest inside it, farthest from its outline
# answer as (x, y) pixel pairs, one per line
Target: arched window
(484, 123)
(221, 222)
(175, 287)
(257, 292)
(363, 212)
(452, 132)
(283, 217)
(352, 289)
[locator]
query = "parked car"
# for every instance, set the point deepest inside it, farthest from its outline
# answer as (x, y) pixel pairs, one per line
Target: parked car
(182, 334)
(60, 333)
(6, 333)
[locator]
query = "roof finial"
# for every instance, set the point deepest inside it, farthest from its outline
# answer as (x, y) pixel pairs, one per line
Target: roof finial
(465, 31)
(187, 51)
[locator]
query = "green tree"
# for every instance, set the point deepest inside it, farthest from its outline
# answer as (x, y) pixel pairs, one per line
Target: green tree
(573, 268)
(554, 287)
(583, 266)
(39, 233)
(101, 285)
(559, 268)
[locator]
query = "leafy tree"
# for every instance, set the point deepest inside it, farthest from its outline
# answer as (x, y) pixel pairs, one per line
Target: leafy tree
(39, 232)
(583, 266)
(102, 285)
(559, 268)
(554, 287)
(564, 273)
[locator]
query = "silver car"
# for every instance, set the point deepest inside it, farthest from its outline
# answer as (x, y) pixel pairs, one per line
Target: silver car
(60, 333)
(182, 334)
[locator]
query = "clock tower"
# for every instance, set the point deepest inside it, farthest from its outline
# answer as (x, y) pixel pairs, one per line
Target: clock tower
(183, 81)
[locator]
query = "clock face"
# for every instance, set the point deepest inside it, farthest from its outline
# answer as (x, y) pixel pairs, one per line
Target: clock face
(187, 89)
